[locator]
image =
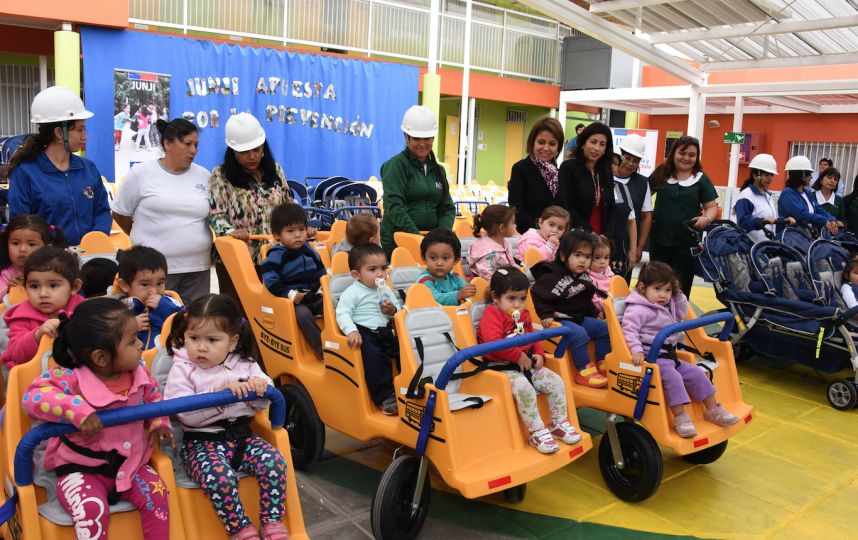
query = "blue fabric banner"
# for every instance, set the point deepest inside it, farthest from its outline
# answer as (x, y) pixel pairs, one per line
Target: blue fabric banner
(322, 116)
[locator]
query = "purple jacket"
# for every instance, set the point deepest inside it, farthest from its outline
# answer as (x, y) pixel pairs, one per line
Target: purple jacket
(642, 320)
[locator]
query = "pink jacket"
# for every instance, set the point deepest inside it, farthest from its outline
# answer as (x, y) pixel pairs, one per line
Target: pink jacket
(532, 239)
(23, 320)
(486, 256)
(187, 379)
(6, 276)
(602, 281)
(642, 320)
(71, 395)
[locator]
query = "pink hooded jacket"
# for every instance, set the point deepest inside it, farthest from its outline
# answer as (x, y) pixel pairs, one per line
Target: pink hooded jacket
(187, 379)
(642, 320)
(23, 320)
(486, 256)
(71, 395)
(602, 281)
(532, 239)
(6, 276)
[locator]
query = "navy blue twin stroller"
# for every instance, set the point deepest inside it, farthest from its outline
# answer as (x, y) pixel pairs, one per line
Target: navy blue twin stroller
(785, 297)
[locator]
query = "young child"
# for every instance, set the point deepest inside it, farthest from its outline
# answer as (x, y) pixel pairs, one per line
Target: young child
(489, 252)
(506, 316)
(600, 269)
(211, 348)
(552, 225)
(51, 280)
(850, 284)
(360, 229)
(364, 314)
(441, 250)
(143, 278)
(97, 276)
(23, 235)
(293, 269)
(564, 291)
(99, 353)
(655, 302)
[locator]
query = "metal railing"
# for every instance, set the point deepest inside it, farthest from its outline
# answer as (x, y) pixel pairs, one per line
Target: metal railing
(844, 156)
(19, 84)
(506, 42)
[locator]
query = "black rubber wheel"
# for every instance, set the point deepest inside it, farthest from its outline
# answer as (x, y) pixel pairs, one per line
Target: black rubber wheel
(515, 495)
(305, 428)
(391, 516)
(643, 465)
(707, 455)
(842, 394)
(741, 352)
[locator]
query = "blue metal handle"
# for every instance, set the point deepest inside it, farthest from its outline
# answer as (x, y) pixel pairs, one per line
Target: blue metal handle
(682, 326)
(479, 350)
(125, 415)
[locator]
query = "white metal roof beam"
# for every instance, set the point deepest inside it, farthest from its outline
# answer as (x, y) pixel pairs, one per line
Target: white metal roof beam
(609, 33)
(619, 5)
(793, 61)
(724, 32)
(627, 94)
(790, 103)
(613, 105)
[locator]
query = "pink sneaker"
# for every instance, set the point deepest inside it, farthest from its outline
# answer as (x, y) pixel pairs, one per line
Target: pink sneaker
(274, 530)
(720, 416)
(684, 426)
(564, 431)
(542, 441)
(247, 533)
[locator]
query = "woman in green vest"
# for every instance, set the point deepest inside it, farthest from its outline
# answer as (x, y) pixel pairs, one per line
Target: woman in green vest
(416, 192)
(684, 193)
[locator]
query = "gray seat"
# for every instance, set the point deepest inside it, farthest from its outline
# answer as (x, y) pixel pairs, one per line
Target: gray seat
(433, 330)
(338, 284)
(403, 277)
(466, 249)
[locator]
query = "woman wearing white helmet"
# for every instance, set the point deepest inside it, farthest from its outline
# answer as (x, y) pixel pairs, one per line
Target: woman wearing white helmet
(45, 176)
(632, 150)
(798, 202)
(164, 204)
(416, 192)
(244, 189)
(755, 209)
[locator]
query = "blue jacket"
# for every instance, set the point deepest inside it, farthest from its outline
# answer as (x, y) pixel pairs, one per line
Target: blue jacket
(792, 204)
(74, 199)
(166, 307)
(292, 269)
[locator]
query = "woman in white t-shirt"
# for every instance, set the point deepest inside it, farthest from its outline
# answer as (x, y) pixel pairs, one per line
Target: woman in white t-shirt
(164, 204)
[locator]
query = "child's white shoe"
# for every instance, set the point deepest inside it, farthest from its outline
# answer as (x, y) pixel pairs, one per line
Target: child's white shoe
(720, 416)
(684, 426)
(563, 431)
(543, 441)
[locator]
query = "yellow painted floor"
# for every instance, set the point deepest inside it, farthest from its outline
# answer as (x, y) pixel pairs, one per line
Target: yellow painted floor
(791, 474)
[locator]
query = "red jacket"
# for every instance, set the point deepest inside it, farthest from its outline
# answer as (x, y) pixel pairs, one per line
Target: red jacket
(496, 325)
(23, 321)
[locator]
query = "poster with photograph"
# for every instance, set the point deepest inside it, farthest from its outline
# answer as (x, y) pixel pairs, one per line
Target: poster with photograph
(139, 100)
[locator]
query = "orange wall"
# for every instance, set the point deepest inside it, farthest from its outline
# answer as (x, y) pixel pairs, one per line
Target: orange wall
(496, 88)
(20, 40)
(96, 12)
(780, 129)
(652, 76)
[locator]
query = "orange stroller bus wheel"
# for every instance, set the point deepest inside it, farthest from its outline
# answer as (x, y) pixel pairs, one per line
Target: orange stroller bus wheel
(305, 428)
(639, 473)
(707, 455)
(515, 495)
(394, 516)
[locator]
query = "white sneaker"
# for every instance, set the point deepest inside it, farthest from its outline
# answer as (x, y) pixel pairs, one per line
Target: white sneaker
(542, 441)
(563, 431)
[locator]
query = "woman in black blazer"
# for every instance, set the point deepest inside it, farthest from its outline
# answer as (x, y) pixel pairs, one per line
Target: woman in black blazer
(587, 183)
(533, 181)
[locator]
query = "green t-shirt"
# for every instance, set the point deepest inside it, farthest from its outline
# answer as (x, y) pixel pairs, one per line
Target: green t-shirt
(676, 203)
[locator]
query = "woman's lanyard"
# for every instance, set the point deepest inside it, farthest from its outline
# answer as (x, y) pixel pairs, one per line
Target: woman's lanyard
(596, 187)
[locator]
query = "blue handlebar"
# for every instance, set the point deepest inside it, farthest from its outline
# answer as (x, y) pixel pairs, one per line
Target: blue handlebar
(113, 417)
(479, 350)
(682, 326)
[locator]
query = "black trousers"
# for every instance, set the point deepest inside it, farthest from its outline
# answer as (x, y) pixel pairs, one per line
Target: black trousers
(377, 348)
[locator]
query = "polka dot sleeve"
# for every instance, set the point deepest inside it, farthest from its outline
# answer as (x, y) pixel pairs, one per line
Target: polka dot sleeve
(54, 397)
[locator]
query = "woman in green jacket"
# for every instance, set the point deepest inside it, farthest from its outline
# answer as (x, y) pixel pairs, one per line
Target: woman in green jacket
(416, 193)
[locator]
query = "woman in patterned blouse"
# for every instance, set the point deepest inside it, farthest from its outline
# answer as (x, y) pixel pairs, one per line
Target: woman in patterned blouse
(244, 189)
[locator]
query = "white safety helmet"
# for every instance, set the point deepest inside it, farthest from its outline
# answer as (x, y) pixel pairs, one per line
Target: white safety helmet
(57, 104)
(244, 132)
(420, 122)
(765, 163)
(633, 144)
(798, 163)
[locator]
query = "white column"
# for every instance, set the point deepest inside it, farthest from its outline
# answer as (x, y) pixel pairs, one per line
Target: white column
(561, 117)
(43, 72)
(552, 113)
(733, 178)
(464, 128)
(433, 35)
(472, 140)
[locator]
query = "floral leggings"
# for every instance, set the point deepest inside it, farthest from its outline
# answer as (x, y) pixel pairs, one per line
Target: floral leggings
(545, 382)
(207, 463)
